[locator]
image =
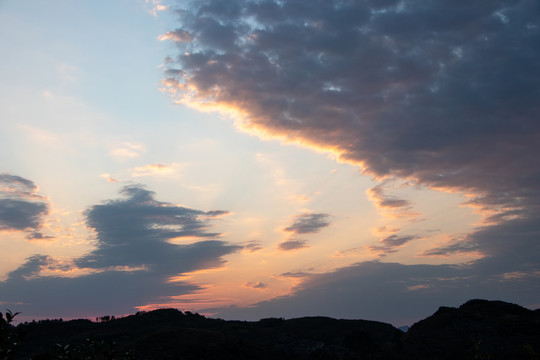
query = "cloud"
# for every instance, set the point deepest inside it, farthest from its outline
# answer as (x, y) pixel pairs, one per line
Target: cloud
(511, 244)
(155, 7)
(390, 292)
(36, 235)
(157, 170)
(385, 201)
(407, 90)
(386, 229)
(21, 214)
(394, 240)
(21, 207)
(303, 224)
(299, 274)
(131, 264)
(128, 150)
(289, 245)
(134, 231)
(308, 223)
(252, 246)
(390, 243)
(256, 285)
(403, 90)
(441, 93)
(109, 178)
(389, 204)
(176, 36)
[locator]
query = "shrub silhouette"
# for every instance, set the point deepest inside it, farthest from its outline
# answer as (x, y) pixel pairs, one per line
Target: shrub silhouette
(9, 339)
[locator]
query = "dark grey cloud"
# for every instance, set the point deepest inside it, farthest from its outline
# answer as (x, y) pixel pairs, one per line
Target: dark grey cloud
(390, 292)
(289, 245)
(303, 224)
(134, 231)
(130, 265)
(299, 274)
(441, 93)
(455, 247)
(21, 214)
(394, 240)
(390, 243)
(105, 292)
(37, 235)
(17, 185)
(512, 245)
(308, 223)
(21, 208)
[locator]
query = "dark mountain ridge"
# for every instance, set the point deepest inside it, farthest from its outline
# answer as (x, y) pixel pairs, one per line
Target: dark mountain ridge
(479, 329)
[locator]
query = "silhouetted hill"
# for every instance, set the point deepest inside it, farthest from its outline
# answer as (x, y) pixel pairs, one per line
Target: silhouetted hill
(171, 334)
(478, 329)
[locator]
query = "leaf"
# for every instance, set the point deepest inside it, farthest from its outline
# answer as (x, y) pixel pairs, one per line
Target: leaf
(10, 315)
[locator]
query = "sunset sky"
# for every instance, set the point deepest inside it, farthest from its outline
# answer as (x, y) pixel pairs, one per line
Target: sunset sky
(255, 158)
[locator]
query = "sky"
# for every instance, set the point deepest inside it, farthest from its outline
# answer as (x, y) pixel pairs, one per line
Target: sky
(246, 159)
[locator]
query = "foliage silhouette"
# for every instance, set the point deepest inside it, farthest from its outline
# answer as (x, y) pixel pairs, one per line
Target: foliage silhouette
(9, 339)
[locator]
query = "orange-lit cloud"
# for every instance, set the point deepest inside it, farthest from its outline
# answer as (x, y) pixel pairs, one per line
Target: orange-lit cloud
(109, 178)
(176, 36)
(158, 170)
(127, 150)
(155, 6)
(390, 205)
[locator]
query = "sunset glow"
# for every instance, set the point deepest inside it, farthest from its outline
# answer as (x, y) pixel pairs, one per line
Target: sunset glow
(248, 159)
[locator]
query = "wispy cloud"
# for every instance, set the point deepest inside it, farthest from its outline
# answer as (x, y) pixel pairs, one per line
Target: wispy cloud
(37, 235)
(109, 178)
(158, 170)
(390, 204)
(289, 245)
(308, 223)
(385, 201)
(252, 246)
(155, 6)
(127, 150)
(178, 35)
(391, 243)
(256, 285)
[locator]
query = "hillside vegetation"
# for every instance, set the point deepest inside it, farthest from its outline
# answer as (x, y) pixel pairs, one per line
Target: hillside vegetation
(479, 329)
